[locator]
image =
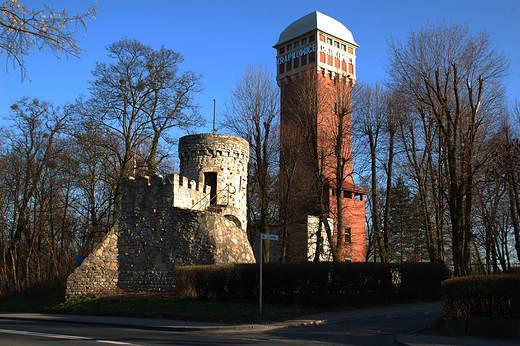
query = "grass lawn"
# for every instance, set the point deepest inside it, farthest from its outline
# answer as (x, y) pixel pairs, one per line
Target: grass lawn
(157, 305)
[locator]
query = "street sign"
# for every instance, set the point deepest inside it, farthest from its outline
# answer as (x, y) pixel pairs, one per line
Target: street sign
(269, 236)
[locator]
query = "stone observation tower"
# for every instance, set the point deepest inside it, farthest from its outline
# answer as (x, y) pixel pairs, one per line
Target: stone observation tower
(220, 162)
(316, 69)
(195, 218)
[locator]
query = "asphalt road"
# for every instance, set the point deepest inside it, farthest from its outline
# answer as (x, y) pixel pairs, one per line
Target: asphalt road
(378, 331)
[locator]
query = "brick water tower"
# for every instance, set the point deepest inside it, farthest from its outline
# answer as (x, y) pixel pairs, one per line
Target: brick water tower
(316, 69)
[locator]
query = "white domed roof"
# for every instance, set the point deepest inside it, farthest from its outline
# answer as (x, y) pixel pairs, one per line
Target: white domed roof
(313, 21)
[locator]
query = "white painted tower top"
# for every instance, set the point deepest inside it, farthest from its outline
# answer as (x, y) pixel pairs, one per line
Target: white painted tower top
(316, 21)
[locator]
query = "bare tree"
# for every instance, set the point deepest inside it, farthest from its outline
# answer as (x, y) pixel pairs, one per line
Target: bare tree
(504, 170)
(340, 167)
(377, 116)
(426, 160)
(23, 29)
(35, 149)
(252, 113)
(134, 101)
(319, 112)
(302, 111)
(455, 78)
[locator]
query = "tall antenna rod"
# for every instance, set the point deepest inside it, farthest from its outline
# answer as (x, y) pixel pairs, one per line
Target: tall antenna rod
(214, 106)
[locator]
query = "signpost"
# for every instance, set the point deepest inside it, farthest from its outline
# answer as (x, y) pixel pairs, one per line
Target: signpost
(262, 237)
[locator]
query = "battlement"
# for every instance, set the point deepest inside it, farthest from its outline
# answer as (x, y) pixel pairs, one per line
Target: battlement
(213, 146)
(158, 192)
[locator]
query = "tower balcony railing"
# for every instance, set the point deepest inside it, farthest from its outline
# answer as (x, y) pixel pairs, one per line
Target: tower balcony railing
(222, 196)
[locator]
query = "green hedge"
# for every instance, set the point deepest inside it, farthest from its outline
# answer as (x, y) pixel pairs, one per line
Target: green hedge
(493, 296)
(314, 284)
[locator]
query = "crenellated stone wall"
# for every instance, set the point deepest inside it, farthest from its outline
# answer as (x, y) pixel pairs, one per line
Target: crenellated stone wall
(164, 222)
(157, 191)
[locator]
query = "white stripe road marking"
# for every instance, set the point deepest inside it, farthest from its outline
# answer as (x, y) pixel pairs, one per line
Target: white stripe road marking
(60, 336)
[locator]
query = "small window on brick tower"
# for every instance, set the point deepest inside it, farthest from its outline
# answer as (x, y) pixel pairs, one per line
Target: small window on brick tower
(348, 235)
(335, 108)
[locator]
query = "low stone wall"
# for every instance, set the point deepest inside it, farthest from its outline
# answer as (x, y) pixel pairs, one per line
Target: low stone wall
(98, 274)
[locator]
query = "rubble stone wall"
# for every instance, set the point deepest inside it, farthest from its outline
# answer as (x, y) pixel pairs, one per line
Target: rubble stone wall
(163, 223)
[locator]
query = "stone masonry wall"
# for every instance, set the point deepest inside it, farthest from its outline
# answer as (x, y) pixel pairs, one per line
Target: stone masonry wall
(99, 273)
(152, 237)
(164, 223)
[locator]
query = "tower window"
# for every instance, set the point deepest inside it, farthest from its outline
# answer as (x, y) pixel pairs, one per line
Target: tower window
(304, 41)
(312, 38)
(336, 44)
(296, 44)
(329, 41)
(348, 235)
(343, 47)
(289, 47)
(281, 50)
(210, 179)
(304, 59)
(335, 108)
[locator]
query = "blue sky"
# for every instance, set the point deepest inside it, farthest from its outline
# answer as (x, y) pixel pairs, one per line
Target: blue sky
(219, 39)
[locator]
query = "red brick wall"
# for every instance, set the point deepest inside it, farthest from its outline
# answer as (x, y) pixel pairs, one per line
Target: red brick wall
(292, 142)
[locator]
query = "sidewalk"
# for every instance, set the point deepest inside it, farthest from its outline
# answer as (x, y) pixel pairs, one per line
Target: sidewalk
(309, 320)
